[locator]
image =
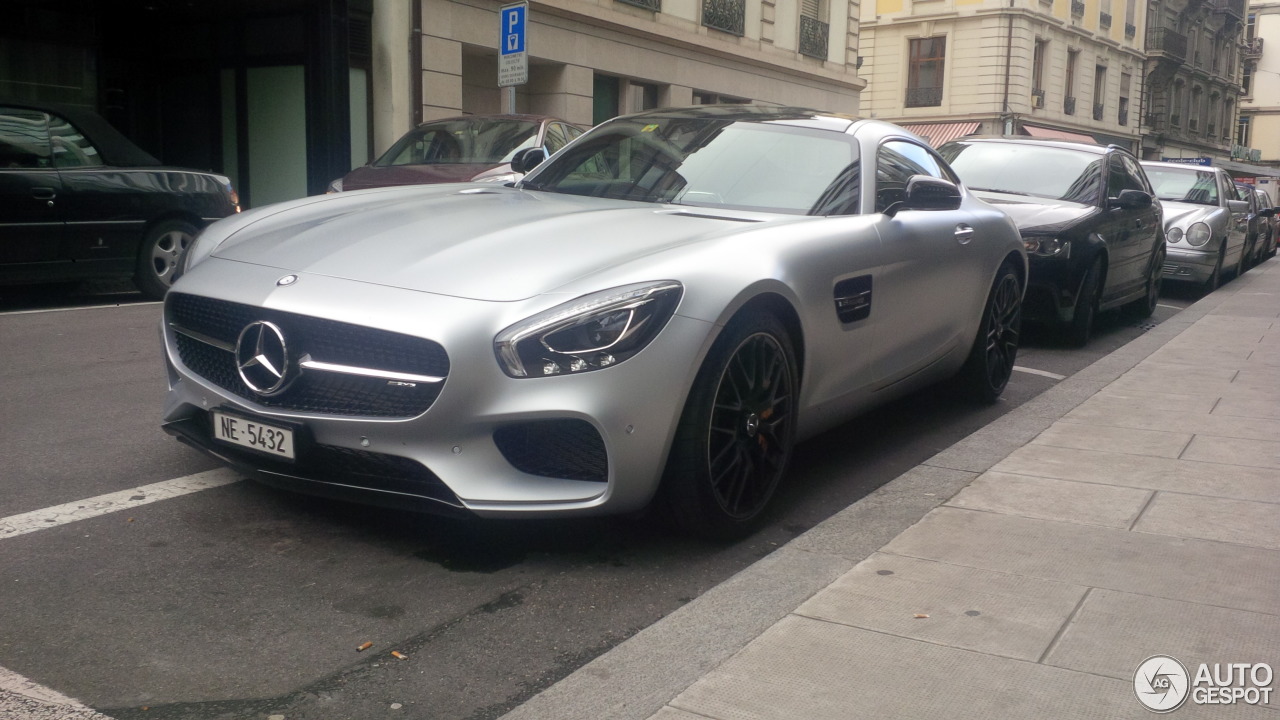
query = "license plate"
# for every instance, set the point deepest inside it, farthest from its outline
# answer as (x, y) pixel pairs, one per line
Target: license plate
(252, 434)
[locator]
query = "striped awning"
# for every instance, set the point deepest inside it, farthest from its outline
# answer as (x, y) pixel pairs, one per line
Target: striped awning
(938, 133)
(1055, 134)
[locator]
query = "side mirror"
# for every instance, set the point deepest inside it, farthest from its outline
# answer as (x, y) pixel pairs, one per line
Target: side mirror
(528, 159)
(1131, 200)
(927, 193)
(1238, 206)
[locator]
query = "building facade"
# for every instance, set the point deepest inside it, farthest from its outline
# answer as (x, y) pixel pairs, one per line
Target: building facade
(1070, 69)
(1258, 128)
(285, 95)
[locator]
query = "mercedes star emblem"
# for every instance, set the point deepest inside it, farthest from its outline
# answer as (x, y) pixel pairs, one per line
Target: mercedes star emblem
(262, 358)
(287, 280)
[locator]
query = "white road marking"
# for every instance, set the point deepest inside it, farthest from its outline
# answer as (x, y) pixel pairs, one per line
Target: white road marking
(23, 523)
(1171, 307)
(1042, 373)
(86, 307)
(21, 698)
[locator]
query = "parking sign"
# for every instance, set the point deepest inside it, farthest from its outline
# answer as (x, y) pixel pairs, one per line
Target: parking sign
(513, 55)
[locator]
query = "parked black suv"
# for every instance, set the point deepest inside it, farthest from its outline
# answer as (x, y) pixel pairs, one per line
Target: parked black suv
(78, 201)
(1091, 224)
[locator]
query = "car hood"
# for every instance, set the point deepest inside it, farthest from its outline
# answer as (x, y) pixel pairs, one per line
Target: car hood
(471, 241)
(1040, 215)
(371, 176)
(1181, 215)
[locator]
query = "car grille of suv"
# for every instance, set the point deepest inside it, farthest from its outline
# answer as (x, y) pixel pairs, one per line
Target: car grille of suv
(567, 448)
(205, 328)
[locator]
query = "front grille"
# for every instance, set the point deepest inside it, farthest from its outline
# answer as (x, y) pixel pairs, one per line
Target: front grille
(324, 340)
(569, 449)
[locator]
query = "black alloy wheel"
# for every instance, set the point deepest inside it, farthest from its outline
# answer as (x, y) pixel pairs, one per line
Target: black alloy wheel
(990, 364)
(158, 259)
(1081, 325)
(1144, 307)
(737, 431)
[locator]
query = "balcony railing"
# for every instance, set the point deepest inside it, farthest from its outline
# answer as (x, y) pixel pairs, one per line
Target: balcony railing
(1234, 8)
(1077, 8)
(1037, 98)
(1153, 121)
(1193, 124)
(1172, 44)
(654, 5)
(1130, 30)
(725, 15)
(1104, 20)
(813, 37)
(1069, 105)
(1175, 120)
(1253, 48)
(924, 97)
(1212, 130)
(1123, 117)
(1098, 112)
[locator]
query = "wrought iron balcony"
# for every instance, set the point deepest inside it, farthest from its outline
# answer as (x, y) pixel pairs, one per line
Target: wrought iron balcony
(725, 15)
(1253, 48)
(924, 97)
(1193, 124)
(1130, 30)
(1069, 105)
(1104, 20)
(813, 37)
(1123, 117)
(1175, 120)
(654, 5)
(1234, 8)
(1153, 121)
(1077, 8)
(1173, 45)
(1098, 112)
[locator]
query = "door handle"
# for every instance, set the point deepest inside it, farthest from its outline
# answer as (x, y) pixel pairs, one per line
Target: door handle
(964, 234)
(43, 193)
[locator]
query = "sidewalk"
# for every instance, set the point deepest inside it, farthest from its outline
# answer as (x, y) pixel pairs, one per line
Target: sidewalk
(1131, 511)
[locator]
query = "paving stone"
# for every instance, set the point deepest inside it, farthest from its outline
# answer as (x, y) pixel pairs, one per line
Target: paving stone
(1158, 565)
(996, 613)
(1168, 401)
(1122, 440)
(1113, 632)
(1051, 499)
(1101, 412)
(1234, 451)
(1235, 356)
(1266, 406)
(1184, 476)
(1195, 516)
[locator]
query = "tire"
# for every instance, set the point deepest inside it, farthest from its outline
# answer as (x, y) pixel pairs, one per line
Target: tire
(1143, 307)
(1081, 325)
(1242, 265)
(736, 433)
(989, 366)
(159, 254)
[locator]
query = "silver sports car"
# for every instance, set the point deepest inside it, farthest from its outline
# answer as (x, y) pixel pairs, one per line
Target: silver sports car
(658, 311)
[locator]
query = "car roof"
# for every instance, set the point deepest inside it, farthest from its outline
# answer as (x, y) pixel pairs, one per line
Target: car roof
(1046, 142)
(114, 148)
(1177, 166)
(805, 117)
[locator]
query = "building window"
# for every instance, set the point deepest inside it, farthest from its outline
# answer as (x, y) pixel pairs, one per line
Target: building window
(725, 15)
(814, 30)
(924, 73)
(1246, 80)
(1125, 81)
(1242, 131)
(1175, 109)
(1197, 101)
(1037, 68)
(1130, 15)
(1099, 90)
(1069, 94)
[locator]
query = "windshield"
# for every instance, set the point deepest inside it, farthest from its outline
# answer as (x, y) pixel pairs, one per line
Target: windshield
(466, 141)
(1027, 169)
(710, 162)
(1187, 186)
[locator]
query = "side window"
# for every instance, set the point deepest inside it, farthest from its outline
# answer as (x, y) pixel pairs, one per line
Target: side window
(71, 148)
(573, 131)
(24, 139)
(555, 137)
(1137, 178)
(1120, 178)
(896, 162)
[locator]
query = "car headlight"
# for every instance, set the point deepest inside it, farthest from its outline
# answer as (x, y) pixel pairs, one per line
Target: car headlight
(334, 186)
(1047, 246)
(1198, 234)
(592, 332)
(1173, 235)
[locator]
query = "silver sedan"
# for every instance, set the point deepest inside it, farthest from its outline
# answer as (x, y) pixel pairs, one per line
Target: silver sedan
(1205, 222)
(661, 310)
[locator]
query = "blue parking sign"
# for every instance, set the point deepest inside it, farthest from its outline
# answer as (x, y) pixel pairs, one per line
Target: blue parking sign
(512, 30)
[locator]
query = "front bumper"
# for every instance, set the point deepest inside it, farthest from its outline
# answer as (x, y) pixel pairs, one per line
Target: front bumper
(1187, 264)
(489, 444)
(1052, 284)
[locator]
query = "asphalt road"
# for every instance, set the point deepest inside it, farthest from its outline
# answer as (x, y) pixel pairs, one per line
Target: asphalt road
(244, 602)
